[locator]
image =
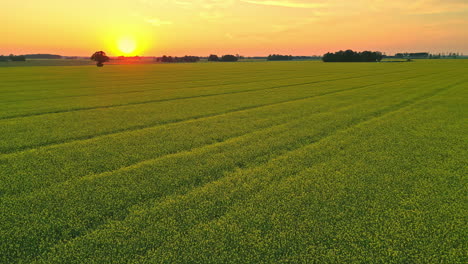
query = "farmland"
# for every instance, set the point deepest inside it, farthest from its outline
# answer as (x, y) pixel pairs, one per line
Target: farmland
(253, 162)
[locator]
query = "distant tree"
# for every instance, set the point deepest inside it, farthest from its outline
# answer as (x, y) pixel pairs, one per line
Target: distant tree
(3, 58)
(213, 58)
(229, 58)
(380, 56)
(100, 57)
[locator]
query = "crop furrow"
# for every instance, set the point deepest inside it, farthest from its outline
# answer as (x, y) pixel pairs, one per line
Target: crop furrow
(146, 83)
(223, 141)
(172, 99)
(210, 85)
(181, 120)
(255, 188)
(159, 123)
(323, 135)
(73, 149)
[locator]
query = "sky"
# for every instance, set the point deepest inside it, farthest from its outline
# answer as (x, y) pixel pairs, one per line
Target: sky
(245, 27)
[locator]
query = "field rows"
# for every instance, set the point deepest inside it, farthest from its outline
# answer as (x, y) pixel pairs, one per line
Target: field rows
(35, 131)
(352, 163)
(224, 216)
(23, 108)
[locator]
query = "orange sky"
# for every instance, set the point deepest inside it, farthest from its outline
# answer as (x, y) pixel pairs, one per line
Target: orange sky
(246, 27)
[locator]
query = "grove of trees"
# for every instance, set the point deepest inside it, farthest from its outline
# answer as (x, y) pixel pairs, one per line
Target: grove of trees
(353, 56)
(229, 58)
(224, 58)
(213, 58)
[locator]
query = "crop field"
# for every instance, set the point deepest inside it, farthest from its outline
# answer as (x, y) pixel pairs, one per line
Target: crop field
(252, 162)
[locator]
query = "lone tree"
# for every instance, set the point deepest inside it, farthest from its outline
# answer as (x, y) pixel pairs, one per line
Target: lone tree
(100, 57)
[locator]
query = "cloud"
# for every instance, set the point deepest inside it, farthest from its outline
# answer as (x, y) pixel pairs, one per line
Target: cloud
(157, 22)
(438, 7)
(183, 3)
(285, 3)
(211, 15)
(212, 4)
(294, 25)
(420, 7)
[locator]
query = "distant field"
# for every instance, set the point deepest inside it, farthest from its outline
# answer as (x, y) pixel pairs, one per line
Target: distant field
(45, 62)
(262, 162)
(81, 62)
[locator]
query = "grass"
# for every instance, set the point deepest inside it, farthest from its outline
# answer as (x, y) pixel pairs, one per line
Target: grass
(278, 162)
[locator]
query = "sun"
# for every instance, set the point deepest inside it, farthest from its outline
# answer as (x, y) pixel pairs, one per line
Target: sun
(127, 45)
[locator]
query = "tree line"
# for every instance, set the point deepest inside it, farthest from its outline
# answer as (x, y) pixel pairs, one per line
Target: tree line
(416, 55)
(170, 59)
(450, 55)
(43, 56)
(353, 56)
(277, 57)
(427, 55)
(224, 58)
(12, 57)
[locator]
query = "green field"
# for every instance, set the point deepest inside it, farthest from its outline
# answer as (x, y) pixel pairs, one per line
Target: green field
(262, 162)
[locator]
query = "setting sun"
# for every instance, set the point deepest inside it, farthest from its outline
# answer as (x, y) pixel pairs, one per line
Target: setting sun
(127, 45)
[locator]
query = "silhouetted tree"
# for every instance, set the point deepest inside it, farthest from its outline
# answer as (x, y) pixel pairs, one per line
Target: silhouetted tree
(229, 58)
(213, 58)
(100, 57)
(3, 58)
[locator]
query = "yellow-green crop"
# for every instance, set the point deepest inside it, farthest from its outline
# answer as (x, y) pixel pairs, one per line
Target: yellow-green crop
(255, 162)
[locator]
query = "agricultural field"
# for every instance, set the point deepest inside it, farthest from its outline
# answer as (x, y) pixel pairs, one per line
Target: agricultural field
(252, 162)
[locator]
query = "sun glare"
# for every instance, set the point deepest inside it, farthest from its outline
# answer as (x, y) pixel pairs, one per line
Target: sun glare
(127, 45)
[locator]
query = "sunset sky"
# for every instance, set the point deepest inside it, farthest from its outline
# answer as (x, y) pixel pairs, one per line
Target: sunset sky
(246, 27)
